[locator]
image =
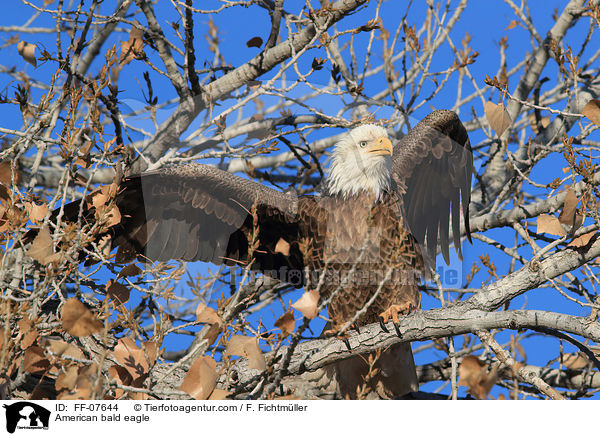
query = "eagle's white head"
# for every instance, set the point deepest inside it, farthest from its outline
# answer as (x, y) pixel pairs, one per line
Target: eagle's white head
(361, 162)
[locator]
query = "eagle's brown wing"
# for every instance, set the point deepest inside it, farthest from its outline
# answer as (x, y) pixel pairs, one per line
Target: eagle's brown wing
(198, 212)
(433, 165)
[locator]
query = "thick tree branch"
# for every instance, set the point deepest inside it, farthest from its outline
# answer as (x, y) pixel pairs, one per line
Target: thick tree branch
(566, 379)
(425, 325)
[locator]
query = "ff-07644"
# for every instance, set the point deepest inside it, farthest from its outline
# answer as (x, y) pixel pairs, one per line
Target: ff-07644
(95, 407)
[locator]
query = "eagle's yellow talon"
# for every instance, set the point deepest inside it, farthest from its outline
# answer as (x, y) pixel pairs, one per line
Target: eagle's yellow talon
(394, 310)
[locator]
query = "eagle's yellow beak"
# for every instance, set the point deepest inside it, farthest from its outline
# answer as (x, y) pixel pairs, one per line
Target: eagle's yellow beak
(381, 147)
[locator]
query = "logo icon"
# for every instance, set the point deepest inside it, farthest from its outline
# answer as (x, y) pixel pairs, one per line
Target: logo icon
(26, 415)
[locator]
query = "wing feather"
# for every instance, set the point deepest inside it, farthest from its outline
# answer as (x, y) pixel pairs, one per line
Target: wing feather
(444, 243)
(433, 167)
(197, 212)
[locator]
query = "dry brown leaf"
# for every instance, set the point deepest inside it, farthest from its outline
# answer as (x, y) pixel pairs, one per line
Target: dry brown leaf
(100, 200)
(550, 224)
(41, 248)
(497, 116)
(254, 42)
(121, 375)
(29, 338)
(101, 196)
(36, 213)
(130, 270)
(78, 320)
(308, 304)
(6, 174)
(28, 333)
(117, 372)
(512, 25)
(469, 370)
(63, 349)
(282, 247)
(544, 121)
(35, 361)
(286, 323)
(246, 346)
(67, 380)
(575, 361)
(577, 223)
(592, 111)
(567, 214)
(27, 51)
(207, 314)
(84, 384)
(111, 216)
(201, 378)
(134, 359)
(214, 330)
(473, 374)
(132, 48)
(583, 240)
(84, 160)
(4, 220)
(219, 394)
(25, 324)
(117, 292)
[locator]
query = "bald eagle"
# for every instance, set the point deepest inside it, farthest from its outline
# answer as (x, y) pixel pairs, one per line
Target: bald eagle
(382, 213)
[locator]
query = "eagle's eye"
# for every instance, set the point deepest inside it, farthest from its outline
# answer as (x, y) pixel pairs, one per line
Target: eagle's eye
(362, 144)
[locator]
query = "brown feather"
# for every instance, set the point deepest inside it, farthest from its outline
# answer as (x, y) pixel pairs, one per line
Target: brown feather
(435, 163)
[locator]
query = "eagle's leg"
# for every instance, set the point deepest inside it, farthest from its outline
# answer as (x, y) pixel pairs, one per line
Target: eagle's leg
(333, 332)
(392, 312)
(396, 373)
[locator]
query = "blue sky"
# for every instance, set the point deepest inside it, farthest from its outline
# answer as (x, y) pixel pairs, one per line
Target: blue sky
(485, 21)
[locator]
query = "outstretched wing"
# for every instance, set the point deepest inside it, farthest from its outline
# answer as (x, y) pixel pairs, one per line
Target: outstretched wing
(198, 212)
(433, 165)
